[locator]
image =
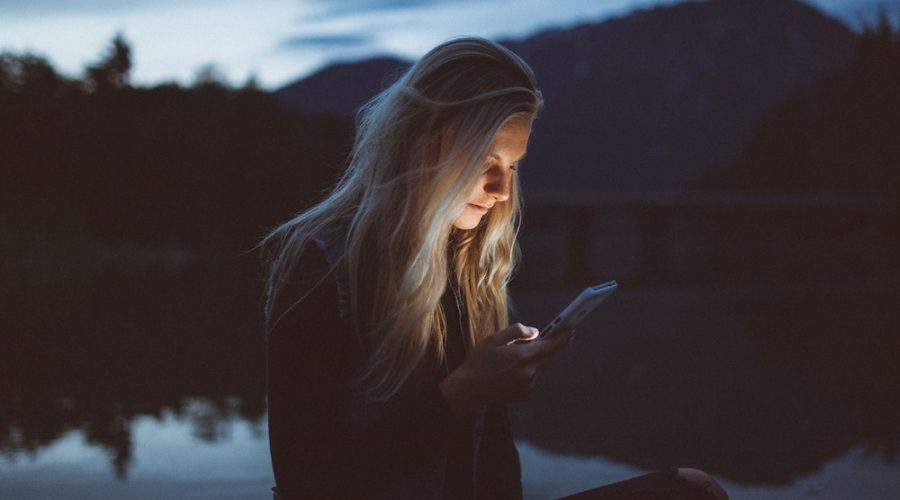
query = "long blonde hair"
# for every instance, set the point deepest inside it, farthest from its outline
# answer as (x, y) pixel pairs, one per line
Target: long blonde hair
(421, 147)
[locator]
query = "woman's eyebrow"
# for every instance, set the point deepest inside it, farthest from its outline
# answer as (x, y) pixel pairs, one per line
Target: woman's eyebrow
(497, 157)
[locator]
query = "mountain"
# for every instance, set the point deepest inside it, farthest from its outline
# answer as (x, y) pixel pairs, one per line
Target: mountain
(838, 136)
(647, 101)
(341, 88)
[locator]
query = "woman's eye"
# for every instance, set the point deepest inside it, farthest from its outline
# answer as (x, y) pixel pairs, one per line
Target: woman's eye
(492, 165)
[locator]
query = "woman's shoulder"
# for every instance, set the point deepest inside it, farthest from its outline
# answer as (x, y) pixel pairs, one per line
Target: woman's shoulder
(316, 276)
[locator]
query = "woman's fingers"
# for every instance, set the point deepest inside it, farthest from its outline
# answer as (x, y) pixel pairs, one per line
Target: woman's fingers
(533, 358)
(499, 370)
(541, 349)
(516, 331)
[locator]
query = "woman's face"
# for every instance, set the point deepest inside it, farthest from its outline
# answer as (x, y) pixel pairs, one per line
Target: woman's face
(493, 187)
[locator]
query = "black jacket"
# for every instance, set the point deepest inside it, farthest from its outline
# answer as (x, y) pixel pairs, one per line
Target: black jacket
(327, 443)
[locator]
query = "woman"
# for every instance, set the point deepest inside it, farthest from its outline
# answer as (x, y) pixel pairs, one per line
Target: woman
(390, 355)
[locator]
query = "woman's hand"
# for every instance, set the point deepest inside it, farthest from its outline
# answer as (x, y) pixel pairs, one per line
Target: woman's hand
(497, 369)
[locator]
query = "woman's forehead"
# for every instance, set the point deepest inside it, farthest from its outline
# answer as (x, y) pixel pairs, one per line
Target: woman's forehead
(511, 141)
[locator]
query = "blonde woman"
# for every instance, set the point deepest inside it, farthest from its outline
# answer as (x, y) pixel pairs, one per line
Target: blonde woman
(391, 357)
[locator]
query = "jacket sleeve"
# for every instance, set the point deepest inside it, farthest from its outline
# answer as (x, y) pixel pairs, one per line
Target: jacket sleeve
(498, 457)
(324, 442)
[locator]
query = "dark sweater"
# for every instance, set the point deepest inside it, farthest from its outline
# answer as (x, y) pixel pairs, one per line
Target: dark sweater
(326, 442)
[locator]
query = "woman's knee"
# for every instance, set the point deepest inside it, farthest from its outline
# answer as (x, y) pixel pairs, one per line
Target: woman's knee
(701, 480)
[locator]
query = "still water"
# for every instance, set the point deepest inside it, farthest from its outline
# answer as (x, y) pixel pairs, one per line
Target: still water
(151, 386)
(172, 462)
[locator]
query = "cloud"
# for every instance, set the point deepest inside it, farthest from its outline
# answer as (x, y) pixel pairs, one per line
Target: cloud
(331, 9)
(30, 8)
(279, 40)
(326, 41)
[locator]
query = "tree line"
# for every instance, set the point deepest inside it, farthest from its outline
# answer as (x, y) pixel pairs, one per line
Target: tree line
(214, 165)
(203, 165)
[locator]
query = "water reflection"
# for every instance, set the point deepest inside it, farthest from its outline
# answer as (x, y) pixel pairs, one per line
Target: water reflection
(758, 385)
(169, 461)
(129, 345)
(31, 427)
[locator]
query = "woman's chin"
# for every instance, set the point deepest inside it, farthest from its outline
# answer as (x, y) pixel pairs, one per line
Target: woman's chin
(465, 222)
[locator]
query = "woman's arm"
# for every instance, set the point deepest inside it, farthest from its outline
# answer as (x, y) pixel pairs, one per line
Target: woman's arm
(324, 442)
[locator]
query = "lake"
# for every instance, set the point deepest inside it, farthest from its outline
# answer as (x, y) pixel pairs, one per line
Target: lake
(149, 384)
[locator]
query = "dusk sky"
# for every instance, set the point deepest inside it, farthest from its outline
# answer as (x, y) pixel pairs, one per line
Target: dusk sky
(279, 41)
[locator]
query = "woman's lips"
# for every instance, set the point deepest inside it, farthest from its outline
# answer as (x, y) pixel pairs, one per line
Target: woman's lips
(478, 208)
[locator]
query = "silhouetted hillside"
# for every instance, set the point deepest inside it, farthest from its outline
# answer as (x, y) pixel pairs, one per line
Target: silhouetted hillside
(648, 100)
(840, 136)
(645, 101)
(340, 89)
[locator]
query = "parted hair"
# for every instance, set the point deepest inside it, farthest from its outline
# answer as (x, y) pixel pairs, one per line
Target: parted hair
(421, 146)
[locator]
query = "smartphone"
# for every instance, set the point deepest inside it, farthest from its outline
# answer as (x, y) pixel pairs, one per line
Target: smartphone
(569, 318)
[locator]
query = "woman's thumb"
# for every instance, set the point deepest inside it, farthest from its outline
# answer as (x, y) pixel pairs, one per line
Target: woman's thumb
(514, 332)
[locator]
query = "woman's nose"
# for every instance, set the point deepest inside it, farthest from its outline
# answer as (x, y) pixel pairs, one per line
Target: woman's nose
(498, 184)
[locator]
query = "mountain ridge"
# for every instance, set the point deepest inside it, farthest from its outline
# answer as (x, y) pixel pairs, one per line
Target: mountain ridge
(645, 101)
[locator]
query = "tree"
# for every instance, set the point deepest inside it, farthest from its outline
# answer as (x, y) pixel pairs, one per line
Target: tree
(28, 74)
(210, 75)
(113, 70)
